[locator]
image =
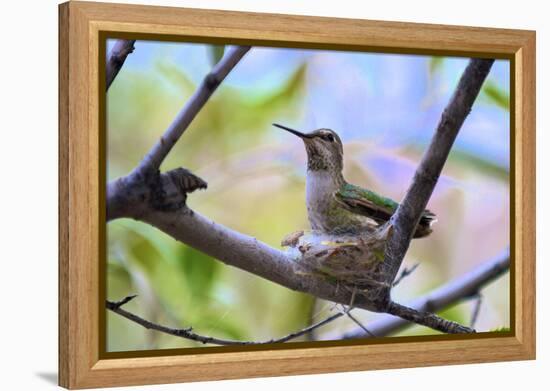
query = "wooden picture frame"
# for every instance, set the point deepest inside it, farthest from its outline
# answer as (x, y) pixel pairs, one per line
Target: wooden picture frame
(81, 161)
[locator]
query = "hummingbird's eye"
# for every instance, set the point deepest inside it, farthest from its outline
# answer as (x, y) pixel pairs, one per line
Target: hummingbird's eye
(329, 137)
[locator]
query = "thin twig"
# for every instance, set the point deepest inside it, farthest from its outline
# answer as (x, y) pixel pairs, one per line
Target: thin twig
(153, 159)
(477, 307)
(117, 56)
(117, 304)
(449, 294)
(358, 323)
(405, 273)
(310, 336)
(350, 307)
(427, 174)
(188, 333)
(428, 319)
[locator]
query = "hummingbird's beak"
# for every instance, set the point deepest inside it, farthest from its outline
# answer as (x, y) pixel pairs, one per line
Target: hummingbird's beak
(294, 132)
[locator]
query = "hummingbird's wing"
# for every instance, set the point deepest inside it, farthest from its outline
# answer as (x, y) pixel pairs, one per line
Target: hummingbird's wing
(376, 207)
(366, 203)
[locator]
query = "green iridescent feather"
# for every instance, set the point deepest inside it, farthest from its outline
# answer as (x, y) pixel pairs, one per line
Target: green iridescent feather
(352, 192)
(380, 209)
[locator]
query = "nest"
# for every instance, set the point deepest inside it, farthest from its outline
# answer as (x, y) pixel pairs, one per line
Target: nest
(353, 261)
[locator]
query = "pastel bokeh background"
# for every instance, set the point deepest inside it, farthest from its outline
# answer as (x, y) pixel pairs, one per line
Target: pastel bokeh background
(385, 108)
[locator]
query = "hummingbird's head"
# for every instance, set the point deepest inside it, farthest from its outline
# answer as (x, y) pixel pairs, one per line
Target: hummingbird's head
(324, 149)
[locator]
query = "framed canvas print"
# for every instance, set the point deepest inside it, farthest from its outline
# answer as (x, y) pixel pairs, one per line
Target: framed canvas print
(248, 195)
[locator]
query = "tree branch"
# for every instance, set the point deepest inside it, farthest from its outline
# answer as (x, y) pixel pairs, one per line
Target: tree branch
(428, 319)
(153, 160)
(248, 254)
(117, 56)
(189, 334)
(427, 174)
(132, 195)
(461, 288)
(251, 255)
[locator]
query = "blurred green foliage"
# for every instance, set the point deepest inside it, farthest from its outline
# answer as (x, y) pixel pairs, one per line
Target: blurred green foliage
(496, 95)
(435, 64)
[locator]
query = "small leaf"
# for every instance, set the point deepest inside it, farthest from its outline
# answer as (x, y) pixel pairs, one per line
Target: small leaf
(468, 159)
(199, 271)
(500, 330)
(496, 95)
(379, 254)
(144, 251)
(435, 64)
(175, 76)
(481, 164)
(216, 53)
(282, 96)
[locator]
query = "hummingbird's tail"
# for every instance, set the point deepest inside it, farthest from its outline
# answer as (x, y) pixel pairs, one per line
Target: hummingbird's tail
(424, 227)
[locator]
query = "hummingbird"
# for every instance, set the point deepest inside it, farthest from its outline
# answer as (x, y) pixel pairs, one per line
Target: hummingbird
(335, 206)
